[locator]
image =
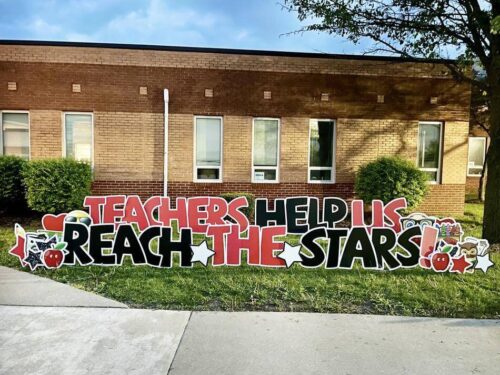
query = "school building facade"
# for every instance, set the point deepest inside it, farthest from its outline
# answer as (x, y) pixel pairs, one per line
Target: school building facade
(197, 121)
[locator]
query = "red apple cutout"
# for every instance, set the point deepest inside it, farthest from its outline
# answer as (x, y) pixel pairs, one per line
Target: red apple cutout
(53, 258)
(440, 262)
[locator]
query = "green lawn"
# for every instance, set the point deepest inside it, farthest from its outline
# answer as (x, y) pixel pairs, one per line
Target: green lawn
(405, 292)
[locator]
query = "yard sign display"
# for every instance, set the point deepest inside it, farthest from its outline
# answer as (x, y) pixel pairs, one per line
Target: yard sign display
(119, 227)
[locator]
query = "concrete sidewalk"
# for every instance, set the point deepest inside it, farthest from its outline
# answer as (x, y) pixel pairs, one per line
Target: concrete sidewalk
(24, 289)
(301, 343)
(90, 340)
(69, 340)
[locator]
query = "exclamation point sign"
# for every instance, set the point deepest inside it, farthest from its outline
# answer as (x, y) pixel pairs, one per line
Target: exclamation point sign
(427, 245)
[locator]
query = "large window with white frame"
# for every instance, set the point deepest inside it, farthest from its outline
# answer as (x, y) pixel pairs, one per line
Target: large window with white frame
(321, 151)
(208, 149)
(15, 133)
(477, 154)
(265, 150)
(429, 149)
(78, 136)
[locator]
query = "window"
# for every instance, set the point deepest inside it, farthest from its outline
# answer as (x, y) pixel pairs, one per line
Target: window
(208, 149)
(429, 149)
(321, 152)
(78, 129)
(265, 149)
(15, 134)
(477, 153)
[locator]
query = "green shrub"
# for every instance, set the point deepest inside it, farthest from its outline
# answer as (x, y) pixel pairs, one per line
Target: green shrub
(56, 185)
(388, 178)
(250, 198)
(11, 182)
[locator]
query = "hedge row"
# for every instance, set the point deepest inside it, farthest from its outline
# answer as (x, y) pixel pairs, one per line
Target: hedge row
(51, 185)
(11, 182)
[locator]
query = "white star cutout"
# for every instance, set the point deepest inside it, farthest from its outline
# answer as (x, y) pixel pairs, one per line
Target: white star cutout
(290, 254)
(201, 253)
(484, 262)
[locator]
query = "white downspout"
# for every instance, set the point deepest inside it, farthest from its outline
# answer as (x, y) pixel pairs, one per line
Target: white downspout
(165, 144)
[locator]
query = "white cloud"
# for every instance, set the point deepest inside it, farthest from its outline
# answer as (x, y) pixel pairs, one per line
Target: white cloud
(78, 37)
(216, 23)
(243, 34)
(159, 22)
(156, 15)
(85, 5)
(43, 29)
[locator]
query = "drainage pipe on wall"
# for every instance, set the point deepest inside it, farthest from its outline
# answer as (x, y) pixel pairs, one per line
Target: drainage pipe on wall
(165, 144)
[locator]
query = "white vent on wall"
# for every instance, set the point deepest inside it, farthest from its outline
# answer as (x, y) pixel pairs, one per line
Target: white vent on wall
(11, 86)
(143, 90)
(267, 95)
(209, 93)
(76, 87)
(325, 97)
(380, 99)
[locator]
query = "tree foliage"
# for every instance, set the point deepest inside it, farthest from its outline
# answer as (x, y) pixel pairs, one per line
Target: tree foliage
(467, 29)
(410, 28)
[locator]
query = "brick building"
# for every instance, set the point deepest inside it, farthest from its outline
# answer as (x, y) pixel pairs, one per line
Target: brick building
(270, 123)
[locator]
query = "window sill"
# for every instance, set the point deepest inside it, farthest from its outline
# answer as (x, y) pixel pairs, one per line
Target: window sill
(208, 181)
(265, 182)
(321, 182)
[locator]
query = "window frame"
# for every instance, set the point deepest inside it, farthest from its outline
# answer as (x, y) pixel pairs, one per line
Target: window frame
(334, 150)
(485, 145)
(2, 146)
(64, 154)
(278, 158)
(220, 167)
(438, 170)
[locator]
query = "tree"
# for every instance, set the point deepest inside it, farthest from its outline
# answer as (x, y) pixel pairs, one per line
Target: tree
(428, 29)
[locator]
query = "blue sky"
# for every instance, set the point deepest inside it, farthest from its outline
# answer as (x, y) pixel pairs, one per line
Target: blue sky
(255, 24)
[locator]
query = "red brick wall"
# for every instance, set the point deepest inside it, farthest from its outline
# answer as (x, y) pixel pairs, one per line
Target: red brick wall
(472, 185)
(116, 89)
(270, 191)
(441, 199)
(144, 188)
(185, 189)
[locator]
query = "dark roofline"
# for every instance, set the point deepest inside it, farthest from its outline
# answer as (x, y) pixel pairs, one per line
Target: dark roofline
(230, 51)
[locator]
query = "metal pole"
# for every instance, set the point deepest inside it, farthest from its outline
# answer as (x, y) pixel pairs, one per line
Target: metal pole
(165, 144)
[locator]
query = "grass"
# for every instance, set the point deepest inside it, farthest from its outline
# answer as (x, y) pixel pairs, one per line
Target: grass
(413, 292)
